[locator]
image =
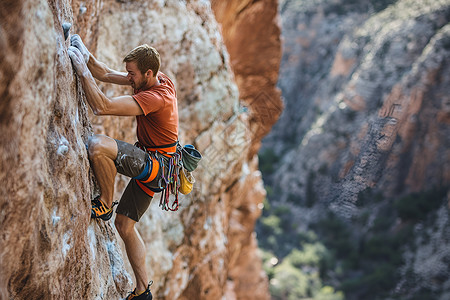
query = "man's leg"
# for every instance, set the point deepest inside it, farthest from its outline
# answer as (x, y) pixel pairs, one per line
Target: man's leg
(102, 154)
(135, 248)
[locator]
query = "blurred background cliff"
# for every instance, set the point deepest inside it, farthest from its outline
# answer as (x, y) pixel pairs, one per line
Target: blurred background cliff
(357, 168)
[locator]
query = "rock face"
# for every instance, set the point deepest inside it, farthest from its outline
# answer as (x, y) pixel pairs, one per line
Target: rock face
(50, 249)
(48, 242)
(254, 60)
(366, 85)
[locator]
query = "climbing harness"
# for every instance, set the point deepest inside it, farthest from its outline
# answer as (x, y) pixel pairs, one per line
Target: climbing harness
(167, 160)
(171, 159)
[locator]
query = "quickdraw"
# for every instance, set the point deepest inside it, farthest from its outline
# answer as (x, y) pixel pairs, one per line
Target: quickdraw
(171, 183)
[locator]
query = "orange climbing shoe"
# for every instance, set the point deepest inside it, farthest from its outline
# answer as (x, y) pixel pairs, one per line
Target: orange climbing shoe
(99, 210)
(146, 295)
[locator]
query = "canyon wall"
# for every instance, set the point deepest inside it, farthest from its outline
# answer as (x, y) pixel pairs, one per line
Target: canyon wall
(364, 88)
(365, 133)
(254, 60)
(50, 248)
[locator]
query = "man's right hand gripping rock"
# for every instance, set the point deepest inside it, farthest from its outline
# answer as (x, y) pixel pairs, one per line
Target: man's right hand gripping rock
(75, 40)
(79, 55)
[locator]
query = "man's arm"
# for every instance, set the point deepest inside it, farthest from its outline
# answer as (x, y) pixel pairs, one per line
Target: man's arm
(100, 104)
(101, 72)
(98, 69)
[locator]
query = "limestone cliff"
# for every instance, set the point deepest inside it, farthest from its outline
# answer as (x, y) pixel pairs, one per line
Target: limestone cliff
(50, 249)
(365, 134)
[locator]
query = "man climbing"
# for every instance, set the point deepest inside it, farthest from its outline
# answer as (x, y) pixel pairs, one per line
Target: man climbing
(154, 104)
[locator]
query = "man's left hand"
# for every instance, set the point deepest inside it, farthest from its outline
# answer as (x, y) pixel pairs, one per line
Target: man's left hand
(78, 61)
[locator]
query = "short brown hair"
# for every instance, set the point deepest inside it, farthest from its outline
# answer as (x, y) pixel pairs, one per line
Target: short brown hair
(146, 58)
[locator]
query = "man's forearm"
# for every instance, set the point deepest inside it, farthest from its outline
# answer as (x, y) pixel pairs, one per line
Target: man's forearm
(100, 104)
(94, 96)
(101, 72)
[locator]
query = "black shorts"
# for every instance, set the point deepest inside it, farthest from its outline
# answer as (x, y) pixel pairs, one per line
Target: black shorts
(131, 161)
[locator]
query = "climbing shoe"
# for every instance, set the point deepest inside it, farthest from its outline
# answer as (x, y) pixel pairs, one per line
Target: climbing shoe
(146, 295)
(99, 210)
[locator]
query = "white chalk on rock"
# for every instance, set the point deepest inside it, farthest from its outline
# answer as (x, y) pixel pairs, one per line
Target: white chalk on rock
(63, 147)
(62, 150)
(55, 218)
(83, 9)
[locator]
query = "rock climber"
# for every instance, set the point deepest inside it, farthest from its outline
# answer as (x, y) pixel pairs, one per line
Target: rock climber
(154, 103)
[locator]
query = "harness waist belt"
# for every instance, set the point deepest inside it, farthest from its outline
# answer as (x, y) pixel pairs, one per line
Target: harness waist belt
(164, 149)
(165, 146)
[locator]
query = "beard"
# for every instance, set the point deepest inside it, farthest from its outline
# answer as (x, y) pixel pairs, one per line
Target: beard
(138, 85)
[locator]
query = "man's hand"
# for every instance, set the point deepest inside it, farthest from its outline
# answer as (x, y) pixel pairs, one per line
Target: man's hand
(75, 40)
(78, 61)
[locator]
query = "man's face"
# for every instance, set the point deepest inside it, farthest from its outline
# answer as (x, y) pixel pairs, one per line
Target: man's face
(136, 78)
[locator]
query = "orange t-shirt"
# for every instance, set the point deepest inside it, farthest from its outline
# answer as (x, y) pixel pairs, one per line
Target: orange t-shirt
(159, 124)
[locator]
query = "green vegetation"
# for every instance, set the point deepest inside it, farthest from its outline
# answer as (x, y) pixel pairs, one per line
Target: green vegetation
(358, 258)
(268, 160)
(368, 196)
(298, 276)
(277, 230)
(416, 206)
